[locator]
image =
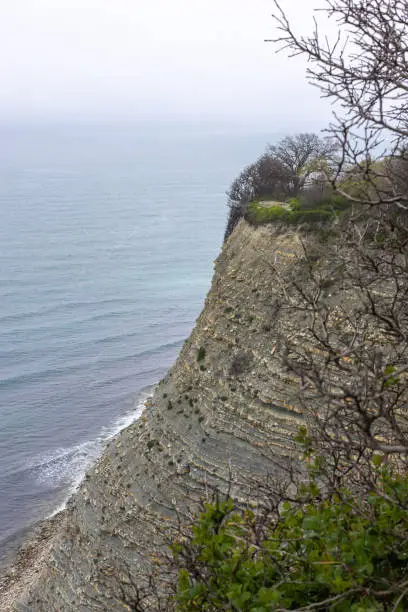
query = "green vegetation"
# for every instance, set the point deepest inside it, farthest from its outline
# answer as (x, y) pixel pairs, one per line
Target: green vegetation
(297, 211)
(201, 353)
(286, 169)
(342, 553)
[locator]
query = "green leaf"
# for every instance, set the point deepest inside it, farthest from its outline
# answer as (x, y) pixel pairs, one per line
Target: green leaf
(377, 460)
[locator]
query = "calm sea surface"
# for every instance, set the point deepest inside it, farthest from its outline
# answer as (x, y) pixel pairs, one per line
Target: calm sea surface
(107, 238)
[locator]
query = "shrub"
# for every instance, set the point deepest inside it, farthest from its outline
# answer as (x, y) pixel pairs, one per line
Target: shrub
(240, 363)
(201, 353)
(282, 171)
(259, 214)
(342, 554)
(297, 211)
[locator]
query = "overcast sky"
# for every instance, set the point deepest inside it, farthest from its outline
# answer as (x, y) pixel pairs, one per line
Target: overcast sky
(153, 58)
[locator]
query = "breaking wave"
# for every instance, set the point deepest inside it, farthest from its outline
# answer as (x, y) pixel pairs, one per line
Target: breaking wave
(65, 468)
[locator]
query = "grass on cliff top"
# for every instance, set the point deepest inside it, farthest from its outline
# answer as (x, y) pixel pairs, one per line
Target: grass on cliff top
(295, 212)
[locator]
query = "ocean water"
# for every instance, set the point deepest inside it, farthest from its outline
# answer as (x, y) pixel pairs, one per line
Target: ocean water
(107, 238)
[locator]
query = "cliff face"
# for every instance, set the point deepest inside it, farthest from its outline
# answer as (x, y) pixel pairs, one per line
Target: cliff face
(223, 411)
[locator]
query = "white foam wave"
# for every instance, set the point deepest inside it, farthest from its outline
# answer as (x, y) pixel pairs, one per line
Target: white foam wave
(65, 468)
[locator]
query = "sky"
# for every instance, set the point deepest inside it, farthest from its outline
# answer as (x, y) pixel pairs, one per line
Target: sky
(128, 59)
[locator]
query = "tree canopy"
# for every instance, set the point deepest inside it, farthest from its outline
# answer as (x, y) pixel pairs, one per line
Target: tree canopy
(282, 172)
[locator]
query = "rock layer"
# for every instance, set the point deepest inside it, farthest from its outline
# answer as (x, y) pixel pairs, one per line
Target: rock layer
(222, 413)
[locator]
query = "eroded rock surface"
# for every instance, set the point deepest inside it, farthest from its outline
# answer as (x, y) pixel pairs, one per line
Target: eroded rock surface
(224, 408)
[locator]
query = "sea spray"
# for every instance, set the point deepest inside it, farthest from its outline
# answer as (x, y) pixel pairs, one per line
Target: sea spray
(65, 468)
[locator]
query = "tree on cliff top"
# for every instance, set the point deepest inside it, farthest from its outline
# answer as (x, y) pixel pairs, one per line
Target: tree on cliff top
(280, 173)
(302, 155)
(364, 72)
(268, 177)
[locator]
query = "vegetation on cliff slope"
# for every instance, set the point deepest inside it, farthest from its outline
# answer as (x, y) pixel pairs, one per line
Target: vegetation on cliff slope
(333, 536)
(337, 552)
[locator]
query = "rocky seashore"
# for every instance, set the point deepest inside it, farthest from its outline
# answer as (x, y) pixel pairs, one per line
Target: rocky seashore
(222, 415)
(22, 566)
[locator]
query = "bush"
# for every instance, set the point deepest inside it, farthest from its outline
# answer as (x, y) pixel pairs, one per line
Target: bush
(297, 211)
(281, 172)
(342, 554)
(201, 353)
(259, 214)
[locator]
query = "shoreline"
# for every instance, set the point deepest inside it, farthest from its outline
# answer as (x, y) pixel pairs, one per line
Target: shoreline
(25, 561)
(24, 556)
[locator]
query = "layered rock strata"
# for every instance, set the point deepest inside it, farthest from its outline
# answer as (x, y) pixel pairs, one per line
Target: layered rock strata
(223, 413)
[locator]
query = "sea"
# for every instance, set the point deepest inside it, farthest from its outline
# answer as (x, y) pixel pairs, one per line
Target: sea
(108, 233)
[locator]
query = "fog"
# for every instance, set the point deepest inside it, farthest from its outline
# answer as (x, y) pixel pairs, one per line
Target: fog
(128, 59)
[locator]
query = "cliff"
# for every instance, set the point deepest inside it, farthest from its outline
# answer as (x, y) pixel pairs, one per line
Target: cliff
(223, 411)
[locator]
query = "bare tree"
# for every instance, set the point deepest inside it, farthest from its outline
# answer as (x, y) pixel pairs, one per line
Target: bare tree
(280, 173)
(302, 155)
(364, 72)
(349, 302)
(266, 178)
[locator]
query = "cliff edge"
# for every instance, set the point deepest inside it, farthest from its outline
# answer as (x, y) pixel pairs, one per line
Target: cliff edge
(222, 413)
